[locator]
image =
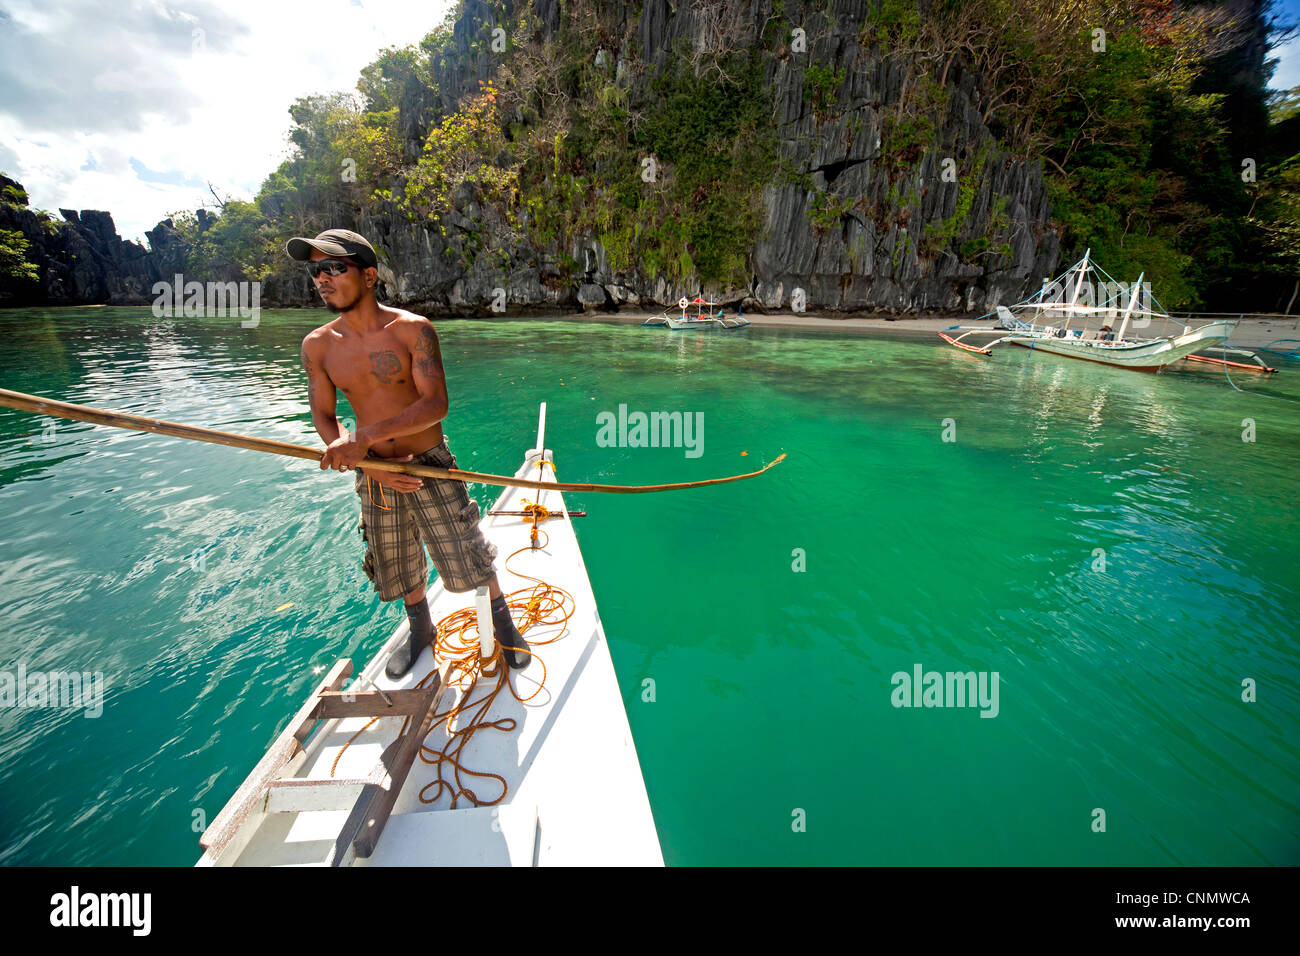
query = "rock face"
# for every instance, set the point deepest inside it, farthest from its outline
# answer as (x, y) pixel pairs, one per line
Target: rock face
(927, 235)
(84, 260)
(874, 261)
(955, 227)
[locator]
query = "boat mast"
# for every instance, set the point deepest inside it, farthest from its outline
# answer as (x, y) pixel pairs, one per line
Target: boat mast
(1078, 286)
(1137, 287)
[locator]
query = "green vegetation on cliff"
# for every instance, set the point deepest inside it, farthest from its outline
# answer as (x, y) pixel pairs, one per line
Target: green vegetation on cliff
(15, 266)
(13, 257)
(1142, 112)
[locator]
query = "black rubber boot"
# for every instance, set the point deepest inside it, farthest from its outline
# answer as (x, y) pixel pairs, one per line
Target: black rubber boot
(421, 635)
(513, 646)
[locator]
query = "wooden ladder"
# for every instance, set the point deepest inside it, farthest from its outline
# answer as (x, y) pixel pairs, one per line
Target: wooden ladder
(271, 787)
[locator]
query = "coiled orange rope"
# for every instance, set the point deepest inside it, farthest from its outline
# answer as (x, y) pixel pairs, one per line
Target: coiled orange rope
(532, 508)
(542, 605)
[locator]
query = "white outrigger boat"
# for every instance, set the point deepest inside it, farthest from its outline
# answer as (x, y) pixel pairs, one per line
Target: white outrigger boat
(699, 320)
(539, 767)
(1049, 320)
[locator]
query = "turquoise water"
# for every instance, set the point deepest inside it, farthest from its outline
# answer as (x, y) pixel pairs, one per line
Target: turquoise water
(771, 738)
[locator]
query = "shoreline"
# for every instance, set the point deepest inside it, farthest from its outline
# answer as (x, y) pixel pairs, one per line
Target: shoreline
(1250, 332)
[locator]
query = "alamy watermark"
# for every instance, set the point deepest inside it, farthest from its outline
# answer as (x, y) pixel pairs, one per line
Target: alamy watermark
(651, 430)
(1113, 297)
(210, 300)
(75, 908)
(59, 689)
(923, 688)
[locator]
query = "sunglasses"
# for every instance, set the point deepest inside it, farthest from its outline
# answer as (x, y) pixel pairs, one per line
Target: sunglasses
(333, 267)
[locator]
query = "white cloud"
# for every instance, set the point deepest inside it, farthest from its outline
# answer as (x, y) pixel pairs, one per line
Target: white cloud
(102, 84)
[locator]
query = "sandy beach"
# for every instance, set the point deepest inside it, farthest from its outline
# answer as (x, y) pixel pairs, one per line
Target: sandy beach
(1250, 332)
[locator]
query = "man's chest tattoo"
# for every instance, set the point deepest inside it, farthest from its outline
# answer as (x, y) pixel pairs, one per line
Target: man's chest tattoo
(384, 365)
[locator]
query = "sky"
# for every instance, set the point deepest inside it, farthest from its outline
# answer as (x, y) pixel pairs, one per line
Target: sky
(132, 106)
(1287, 74)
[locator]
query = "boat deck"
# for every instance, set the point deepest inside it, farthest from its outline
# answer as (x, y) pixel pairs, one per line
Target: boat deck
(576, 795)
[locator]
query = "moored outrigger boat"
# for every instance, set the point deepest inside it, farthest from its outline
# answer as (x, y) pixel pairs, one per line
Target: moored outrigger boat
(699, 320)
(1042, 323)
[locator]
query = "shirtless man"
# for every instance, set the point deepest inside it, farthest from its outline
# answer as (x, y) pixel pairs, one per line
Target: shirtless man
(388, 364)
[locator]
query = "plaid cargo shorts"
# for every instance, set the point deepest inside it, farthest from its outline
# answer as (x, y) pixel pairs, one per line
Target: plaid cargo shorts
(440, 516)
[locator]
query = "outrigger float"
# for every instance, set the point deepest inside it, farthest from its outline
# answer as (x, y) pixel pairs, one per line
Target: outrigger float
(1042, 323)
(471, 763)
(699, 320)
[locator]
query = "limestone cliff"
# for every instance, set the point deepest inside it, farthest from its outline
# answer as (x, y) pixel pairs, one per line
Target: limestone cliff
(897, 225)
(858, 219)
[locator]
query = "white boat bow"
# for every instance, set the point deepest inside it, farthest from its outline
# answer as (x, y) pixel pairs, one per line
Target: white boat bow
(574, 790)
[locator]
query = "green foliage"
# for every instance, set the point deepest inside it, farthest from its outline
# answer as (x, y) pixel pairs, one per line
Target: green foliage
(943, 233)
(1143, 175)
(827, 210)
(396, 70)
(1284, 104)
(464, 149)
(375, 146)
(902, 141)
(938, 236)
(14, 196)
(893, 23)
(337, 142)
(240, 236)
(820, 86)
(439, 46)
(13, 257)
(717, 139)
(1277, 216)
(674, 193)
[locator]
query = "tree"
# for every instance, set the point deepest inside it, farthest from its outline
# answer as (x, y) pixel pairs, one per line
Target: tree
(1284, 104)
(1276, 213)
(13, 258)
(384, 81)
(464, 148)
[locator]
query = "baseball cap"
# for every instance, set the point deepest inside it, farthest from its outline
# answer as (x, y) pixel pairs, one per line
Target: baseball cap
(334, 242)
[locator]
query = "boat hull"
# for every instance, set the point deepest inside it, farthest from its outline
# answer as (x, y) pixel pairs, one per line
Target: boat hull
(680, 324)
(575, 794)
(1148, 356)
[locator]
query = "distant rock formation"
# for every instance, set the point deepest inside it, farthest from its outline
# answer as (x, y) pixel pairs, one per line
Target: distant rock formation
(83, 260)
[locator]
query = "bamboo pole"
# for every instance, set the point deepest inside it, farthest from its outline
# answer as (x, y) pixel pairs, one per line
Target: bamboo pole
(1078, 287)
(1137, 289)
(99, 416)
